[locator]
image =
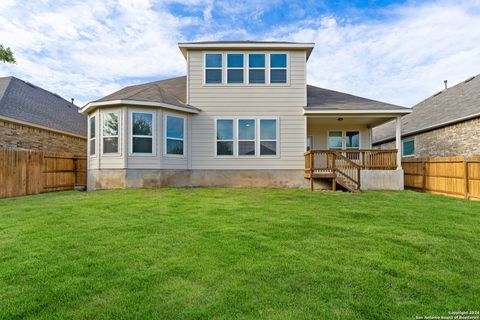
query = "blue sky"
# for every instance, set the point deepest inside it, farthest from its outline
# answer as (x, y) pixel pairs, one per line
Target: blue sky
(396, 51)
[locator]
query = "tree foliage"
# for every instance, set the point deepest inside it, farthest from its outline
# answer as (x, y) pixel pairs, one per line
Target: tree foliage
(6, 55)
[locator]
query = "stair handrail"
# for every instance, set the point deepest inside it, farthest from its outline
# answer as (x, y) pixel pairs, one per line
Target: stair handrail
(355, 166)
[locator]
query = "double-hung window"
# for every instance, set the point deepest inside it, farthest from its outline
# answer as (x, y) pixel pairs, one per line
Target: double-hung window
(335, 140)
(278, 68)
(92, 135)
(235, 68)
(256, 68)
(213, 68)
(110, 132)
(246, 137)
(142, 132)
(408, 148)
(268, 137)
(174, 135)
(225, 137)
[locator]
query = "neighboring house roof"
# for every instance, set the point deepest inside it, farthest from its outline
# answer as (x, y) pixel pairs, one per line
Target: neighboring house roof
(319, 99)
(455, 104)
(28, 103)
(246, 44)
(169, 93)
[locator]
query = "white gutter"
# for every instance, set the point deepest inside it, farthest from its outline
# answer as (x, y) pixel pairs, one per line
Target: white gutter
(92, 105)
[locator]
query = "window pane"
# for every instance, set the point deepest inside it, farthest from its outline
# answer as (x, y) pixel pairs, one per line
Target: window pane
(278, 60)
(268, 148)
(268, 129)
(92, 147)
(174, 146)
(110, 145)
(213, 60)
(353, 139)
(213, 76)
(142, 124)
(142, 145)
(246, 129)
(256, 76)
(225, 148)
(224, 129)
(408, 148)
(246, 148)
(110, 124)
(256, 60)
(335, 140)
(278, 76)
(235, 75)
(235, 60)
(92, 127)
(174, 127)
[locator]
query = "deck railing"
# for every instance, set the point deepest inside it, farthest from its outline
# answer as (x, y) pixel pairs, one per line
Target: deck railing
(367, 159)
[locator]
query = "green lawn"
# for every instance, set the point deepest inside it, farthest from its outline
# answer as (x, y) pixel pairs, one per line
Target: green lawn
(237, 254)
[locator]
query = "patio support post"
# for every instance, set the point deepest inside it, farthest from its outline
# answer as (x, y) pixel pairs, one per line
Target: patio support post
(398, 141)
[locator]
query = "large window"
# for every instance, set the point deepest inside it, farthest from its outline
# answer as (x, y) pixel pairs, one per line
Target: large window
(256, 68)
(278, 68)
(408, 148)
(213, 68)
(268, 137)
(235, 68)
(110, 132)
(92, 135)
(174, 135)
(142, 132)
(335, 140)
(225, 137)
(352, 139)
(246, 137)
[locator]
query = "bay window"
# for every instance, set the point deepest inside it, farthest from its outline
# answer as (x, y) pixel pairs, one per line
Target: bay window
(110, 132)
(92, 135)
(174, 135)
(142, 132)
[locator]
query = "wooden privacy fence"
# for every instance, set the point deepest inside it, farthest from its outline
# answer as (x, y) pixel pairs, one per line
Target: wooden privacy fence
(24, 172)
(453, 176)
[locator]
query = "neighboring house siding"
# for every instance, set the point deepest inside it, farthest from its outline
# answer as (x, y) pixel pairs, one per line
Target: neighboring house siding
(22, 136)
(244, 101)
(461, 139)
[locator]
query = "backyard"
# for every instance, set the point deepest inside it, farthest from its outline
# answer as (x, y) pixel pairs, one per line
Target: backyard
(203, 253)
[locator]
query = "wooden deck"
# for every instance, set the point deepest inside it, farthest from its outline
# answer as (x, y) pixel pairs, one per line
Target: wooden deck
(343, 166)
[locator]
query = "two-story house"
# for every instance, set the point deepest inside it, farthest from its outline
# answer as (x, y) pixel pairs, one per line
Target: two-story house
(242, 116)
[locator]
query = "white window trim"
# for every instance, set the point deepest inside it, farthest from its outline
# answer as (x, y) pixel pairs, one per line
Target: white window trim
(131, 135)
(234, 125)
(222, 68)
(118, 136)
(257, 138)
(277, 132)
(94, 139)
(344, 139)
(409, 155)
(165, 154)
(246, 80)
(287, 68)
(235, 68)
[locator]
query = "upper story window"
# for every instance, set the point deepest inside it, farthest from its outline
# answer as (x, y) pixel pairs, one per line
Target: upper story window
(278, 68)
(235, 68)
(213, 68)
(142, 132)
(110, 132)
(174, 135)
(92, 135)
(256, 68)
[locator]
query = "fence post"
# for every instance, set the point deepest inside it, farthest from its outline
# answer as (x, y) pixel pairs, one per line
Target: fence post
(27, 171)
(465, 164)
(424, 175)
(75, 169)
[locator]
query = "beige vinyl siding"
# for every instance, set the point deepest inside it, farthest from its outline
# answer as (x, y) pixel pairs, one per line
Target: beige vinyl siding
(284, 101)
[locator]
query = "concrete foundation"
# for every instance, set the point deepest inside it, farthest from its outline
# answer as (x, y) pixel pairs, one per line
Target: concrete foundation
(381, 180)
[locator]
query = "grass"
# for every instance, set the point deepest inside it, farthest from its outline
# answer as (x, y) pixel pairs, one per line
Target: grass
(237, 254)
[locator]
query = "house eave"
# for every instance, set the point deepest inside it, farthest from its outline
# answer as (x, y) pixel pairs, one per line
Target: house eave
(92, 105)
(378, 112)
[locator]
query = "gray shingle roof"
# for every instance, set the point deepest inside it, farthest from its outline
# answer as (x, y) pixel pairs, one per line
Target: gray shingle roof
(26, 102)
(449, 106)
(171, 91)
(324, 99)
